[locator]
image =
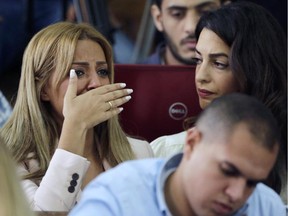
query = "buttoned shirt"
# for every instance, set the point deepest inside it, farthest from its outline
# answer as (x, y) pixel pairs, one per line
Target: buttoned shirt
(136, 188)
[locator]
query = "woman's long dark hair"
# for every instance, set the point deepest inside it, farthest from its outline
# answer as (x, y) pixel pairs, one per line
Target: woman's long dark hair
(258, 60)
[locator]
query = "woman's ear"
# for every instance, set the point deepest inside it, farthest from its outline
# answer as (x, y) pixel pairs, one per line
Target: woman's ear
(157, 17)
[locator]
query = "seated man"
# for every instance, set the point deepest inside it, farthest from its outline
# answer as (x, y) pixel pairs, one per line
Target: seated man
(227, 154)
(176, 21)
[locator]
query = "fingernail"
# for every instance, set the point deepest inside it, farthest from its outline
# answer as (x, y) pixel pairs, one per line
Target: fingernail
(128, 97)
(122, 85)
(129, 91)
(120, 109)
(72, 73)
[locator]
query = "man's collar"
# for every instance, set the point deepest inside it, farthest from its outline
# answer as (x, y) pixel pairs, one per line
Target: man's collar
(167, 169)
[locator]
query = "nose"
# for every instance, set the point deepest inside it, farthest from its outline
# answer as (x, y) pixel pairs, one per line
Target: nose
(94, 81)
(236, 189)
(191, 21)
(202, 73)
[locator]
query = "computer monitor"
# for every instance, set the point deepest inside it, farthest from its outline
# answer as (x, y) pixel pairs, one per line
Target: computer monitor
(163, 97)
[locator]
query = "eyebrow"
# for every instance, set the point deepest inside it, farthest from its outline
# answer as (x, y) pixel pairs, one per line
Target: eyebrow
(239, 173)
(176, 7)
(98, 63)
(179, 7)
(214, 55)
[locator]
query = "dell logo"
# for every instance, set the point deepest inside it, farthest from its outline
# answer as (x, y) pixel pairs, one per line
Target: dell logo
(178, 111)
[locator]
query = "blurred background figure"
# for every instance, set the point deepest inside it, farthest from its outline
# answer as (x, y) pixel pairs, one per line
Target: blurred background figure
(12, 199)
(177, 20)
(5, 109)
(19, 21)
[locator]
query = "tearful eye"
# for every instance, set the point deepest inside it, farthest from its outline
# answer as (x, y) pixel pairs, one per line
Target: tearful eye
(103, 72)
(79, 73)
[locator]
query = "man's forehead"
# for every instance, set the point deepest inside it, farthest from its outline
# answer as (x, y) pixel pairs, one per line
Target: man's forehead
(242, 151)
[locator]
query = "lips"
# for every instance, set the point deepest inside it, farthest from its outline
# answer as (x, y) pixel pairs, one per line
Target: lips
(190, 43)
(203, 93)
(222, 209)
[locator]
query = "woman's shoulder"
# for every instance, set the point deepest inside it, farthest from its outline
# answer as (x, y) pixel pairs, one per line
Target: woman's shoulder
(170, 140)
(165, 146)
(141, 148)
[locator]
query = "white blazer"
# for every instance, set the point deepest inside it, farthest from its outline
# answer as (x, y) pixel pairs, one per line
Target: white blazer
(60, 188)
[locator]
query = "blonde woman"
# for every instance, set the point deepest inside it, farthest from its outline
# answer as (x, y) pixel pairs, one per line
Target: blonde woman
(64, 140)
(12, 199)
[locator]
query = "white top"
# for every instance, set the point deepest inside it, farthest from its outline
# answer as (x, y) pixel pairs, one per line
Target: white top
(165, 146)
(60, 188)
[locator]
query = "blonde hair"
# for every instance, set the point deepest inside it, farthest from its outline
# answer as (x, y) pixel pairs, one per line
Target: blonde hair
(12, 199)
(31, 127)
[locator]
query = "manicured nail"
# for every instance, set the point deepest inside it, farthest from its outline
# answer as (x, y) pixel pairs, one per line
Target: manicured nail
(120, 109)
(72, 73)
(128, 98)
(122, 85)
(129, 91)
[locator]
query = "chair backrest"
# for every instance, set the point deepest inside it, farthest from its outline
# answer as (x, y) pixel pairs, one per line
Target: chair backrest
(163, 97)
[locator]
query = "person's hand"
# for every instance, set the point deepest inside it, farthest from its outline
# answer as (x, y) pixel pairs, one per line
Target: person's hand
(83, 112)
(94, 106)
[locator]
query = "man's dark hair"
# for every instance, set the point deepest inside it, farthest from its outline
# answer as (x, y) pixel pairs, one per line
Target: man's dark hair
(225, 113)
